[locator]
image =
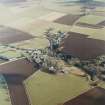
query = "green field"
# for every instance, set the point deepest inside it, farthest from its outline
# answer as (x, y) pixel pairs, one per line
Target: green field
(46, 89)
(10, 54)
(93, 33)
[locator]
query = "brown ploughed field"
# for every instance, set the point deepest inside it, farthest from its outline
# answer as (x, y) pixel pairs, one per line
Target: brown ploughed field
(78, 45)
(15, 72)
(68, 19)
(95, 96)
(10, 35)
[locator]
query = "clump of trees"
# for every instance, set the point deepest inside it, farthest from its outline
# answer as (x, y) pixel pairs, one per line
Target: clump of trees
(55, 39)
(94, 67)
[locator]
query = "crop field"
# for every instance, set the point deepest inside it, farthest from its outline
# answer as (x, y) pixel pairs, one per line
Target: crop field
(33, 27)
(89, 98)
(91, 19)
(10, 35)
(47, 89)
(22, 24)
(11, 54)
(32, 44)
(3, 49)
(68, 19)
(92, 33)
(79, 44)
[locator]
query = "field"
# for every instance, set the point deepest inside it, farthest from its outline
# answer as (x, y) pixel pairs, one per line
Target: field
(92, 33)
(4, 93)
(68, 19)
(23, 25)
(89, 98)
(47, 89)
(32, 44)
(11, 54)
(14, 73)
(79, 44)
(9, 35)
(33, 27)
(91, 19)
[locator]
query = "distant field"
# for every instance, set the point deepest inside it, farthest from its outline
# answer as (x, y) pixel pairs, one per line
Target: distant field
(91, 19)
(47, 89)
(93, 33)
(11, 54)
(68, 19)
(33, 28)
(8, 53)
(34, 43)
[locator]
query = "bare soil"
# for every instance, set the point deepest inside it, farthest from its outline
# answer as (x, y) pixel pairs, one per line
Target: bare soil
(15, 73)
(95, 96)
(16, 89)
(68, 19)
(20, 67)
(10, 35)
(80, 46)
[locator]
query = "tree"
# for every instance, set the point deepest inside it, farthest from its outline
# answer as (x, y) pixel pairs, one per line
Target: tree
(49, 35)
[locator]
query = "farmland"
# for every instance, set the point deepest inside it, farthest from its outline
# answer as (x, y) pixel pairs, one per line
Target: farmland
(91, 19)
(23, 24)
(44, 88)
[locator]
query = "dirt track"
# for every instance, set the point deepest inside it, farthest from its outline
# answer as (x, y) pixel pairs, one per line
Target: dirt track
(14, 73)
(95, 96)
(79, 45)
